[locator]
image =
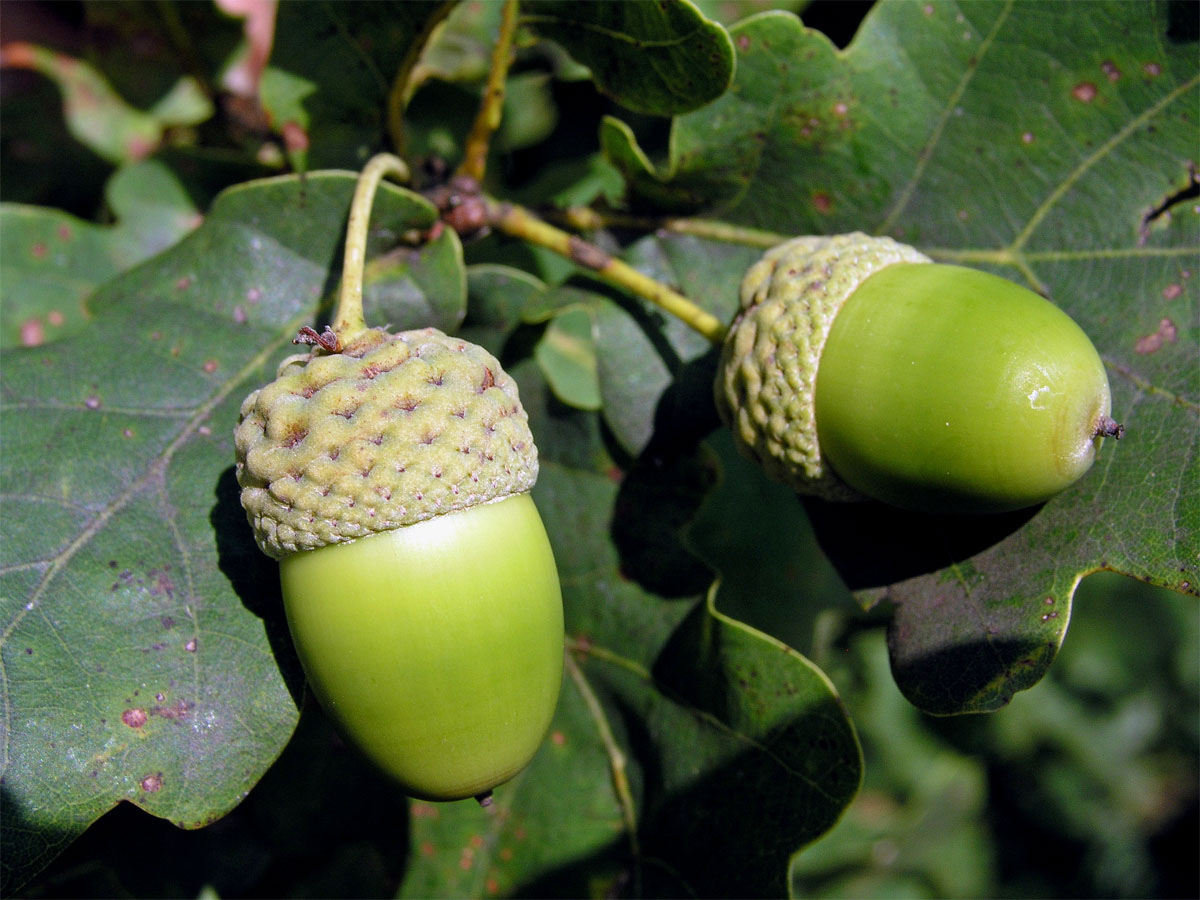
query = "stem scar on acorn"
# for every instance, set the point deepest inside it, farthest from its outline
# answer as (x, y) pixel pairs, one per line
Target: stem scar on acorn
(326, 340)
(423, 599)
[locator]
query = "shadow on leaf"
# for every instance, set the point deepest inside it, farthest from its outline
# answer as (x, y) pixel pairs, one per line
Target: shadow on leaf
(254, 577)
(665, 486)
(873, 545)
(976, 675)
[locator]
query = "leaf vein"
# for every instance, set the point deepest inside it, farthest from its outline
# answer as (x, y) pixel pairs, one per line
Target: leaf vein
(93, 527)
(1087, 162)
(935, 136)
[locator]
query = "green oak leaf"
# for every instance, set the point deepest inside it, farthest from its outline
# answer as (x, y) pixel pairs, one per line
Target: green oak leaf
(98, 117)
(331, 72)
(53, 260)
(655, 58)
(567, 355)
(144, 653)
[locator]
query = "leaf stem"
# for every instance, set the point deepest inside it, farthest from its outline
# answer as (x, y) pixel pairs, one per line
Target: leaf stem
(487, 120)
(348, 319)
(521, 223)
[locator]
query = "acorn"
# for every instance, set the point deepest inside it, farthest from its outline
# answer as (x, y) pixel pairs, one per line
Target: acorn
(857, 368)
(390, 475)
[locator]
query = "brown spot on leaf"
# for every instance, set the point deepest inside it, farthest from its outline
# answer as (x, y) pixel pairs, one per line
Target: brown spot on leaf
(152, 783)
(161, 584)
(743, 42)
(1152, 69)
(1109, 68)
(1151, 343)
(1084, 92)
(210, 366)
(295, 138)
(32, 332)
(176, 710)
(135, 717)
(38, 250)
(1171, 291)
(823, 202)
(92, 402)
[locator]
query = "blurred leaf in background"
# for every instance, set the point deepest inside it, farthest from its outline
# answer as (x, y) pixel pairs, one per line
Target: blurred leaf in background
(1084, 786)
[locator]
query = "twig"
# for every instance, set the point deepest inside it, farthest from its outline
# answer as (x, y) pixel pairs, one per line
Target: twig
(521, 223)
(487, 120)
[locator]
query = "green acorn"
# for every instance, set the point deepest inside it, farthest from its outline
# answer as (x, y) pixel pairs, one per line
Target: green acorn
(391, 480)
(390, 476)
(858, 368)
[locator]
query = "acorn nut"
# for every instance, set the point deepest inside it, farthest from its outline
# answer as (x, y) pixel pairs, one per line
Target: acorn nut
(391, 478)
(858, 368)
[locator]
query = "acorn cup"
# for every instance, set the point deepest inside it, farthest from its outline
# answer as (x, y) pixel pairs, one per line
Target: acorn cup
(858, 368)
(390, 476)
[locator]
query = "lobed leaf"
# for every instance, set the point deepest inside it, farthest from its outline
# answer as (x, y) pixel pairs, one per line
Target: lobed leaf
(53, 261)
(331, 72)
(1048, 143)
(655, 58)
(144, 655)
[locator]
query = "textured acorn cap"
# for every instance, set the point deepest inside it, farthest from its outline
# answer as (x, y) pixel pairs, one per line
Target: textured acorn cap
(766, 383)
(393, 430)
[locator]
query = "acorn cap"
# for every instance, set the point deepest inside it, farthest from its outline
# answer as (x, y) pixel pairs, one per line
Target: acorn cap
(766, 384)
(393, 430)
